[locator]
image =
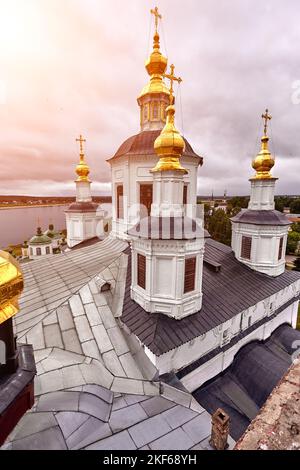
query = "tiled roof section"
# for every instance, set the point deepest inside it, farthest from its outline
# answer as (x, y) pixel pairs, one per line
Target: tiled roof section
(167, 228)
(82, 207)
(225, 294)
(247, 216)
(143, 144)
(91, 417)
(50, 281)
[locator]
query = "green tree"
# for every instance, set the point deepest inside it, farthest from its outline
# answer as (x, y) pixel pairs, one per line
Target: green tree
(297, 264)
(281, 202)
(219, 227)
(295, 206)
(292, 242)
(296, 227)
(239, 201)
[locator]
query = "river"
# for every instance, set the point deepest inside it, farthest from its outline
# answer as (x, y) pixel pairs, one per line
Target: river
(20, 223)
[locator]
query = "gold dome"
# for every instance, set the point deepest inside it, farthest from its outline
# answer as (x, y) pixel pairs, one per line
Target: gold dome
(169, 145)
(264, 161)
(82, 169)
(156, 65)
(11, 286)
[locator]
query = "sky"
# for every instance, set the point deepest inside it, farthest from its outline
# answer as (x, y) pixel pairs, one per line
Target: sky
(70, 67)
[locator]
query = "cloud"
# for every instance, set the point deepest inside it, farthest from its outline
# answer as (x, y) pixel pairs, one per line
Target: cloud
(77, 67)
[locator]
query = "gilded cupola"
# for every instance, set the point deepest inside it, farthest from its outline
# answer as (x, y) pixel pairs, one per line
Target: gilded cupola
(169, 145)
(11, 286)
(154, 97)
(264, 161)
(82, 169)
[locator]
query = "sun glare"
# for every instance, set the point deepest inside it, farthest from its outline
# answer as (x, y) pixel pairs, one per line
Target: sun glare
(20, 28)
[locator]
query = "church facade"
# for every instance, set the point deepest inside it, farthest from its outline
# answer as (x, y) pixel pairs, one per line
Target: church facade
(140, 337)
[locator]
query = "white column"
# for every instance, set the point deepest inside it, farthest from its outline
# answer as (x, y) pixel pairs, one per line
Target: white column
(83, 191)
(262, 194)
(167, 194)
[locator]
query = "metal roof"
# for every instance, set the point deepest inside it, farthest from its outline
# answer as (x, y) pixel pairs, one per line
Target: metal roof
(225, 294)
(143, 144)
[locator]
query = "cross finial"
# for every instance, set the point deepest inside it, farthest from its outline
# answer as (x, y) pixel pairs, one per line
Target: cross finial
(157, 16)
(266, 117)
(81, 140)
(170, 76)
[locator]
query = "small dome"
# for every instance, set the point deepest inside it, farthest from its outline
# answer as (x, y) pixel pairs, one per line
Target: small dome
(82, 170)
(40, 238)
(50, 232)
(169, 145)
(264, 161)
(156, 63)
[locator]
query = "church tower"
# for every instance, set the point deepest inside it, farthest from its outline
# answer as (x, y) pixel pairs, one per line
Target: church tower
(132, 182)
(84, 219)
(168, 246)
(259, 233)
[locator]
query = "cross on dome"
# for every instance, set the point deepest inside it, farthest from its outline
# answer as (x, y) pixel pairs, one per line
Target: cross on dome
(266, 117)
(81, 140)
(157, 16)
(171, 76)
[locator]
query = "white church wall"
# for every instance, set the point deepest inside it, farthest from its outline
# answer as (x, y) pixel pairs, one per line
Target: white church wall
(189, 352)
(134, 171)
(223, 360)
(265, 246)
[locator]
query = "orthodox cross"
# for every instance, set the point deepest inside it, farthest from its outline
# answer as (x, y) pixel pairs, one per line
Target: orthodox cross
(157, 16)
(170, 76)
(81, 140)
(266, 117)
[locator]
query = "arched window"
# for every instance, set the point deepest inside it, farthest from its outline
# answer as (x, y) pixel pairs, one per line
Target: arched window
(38, 252)
(145, 116)
(47, 250)
(155, 110)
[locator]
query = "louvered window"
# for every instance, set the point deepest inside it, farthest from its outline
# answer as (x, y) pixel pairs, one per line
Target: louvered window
(246, 247)
(189, 274)
(280, 248)
(120, 211)
(185, 194)
(141, 270)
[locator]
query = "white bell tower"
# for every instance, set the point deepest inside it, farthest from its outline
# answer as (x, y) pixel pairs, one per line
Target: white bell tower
(259, 233)
(84, 219)
(167, 246)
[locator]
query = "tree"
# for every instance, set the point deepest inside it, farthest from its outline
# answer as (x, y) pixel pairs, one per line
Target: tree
(297, 264)
(239, 201)
(292, 242)
(281, 202)
(295, 206)
(219, 227)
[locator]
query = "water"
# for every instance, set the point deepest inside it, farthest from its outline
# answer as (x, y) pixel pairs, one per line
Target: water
(19, 224)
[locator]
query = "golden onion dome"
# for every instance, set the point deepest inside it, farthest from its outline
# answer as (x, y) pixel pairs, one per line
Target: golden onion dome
(11, 286)
(156, 66)
(82, 170)
(264, 161)
(169, 145)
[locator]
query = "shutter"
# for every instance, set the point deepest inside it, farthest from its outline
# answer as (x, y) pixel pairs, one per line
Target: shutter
(246, 247)
(189, 274)
(185, 194)
(146, 197)
(280, 248)
(141, 267)
(120, 212)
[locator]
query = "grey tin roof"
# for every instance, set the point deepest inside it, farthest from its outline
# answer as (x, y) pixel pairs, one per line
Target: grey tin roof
(249, 216)
(225, 294)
